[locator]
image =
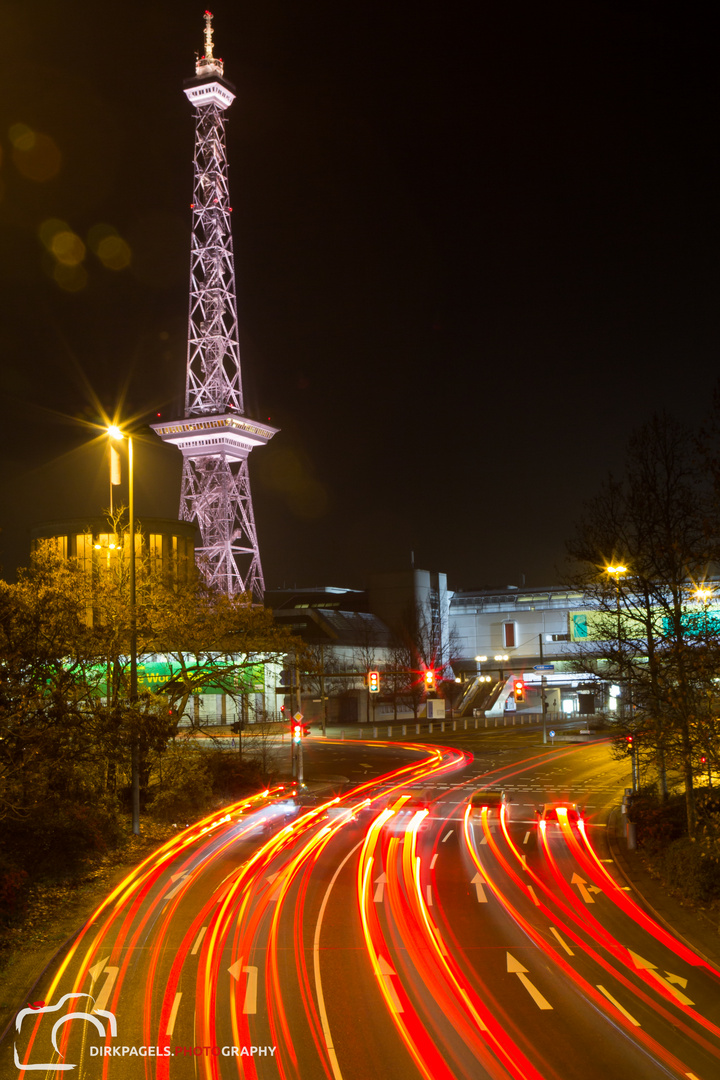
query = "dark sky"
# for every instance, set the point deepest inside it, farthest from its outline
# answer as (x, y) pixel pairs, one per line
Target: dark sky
(475, 245)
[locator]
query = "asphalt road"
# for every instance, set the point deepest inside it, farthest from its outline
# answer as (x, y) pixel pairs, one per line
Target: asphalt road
(353, 936)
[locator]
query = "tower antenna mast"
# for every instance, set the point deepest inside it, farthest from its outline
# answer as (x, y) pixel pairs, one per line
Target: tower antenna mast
(214, 435)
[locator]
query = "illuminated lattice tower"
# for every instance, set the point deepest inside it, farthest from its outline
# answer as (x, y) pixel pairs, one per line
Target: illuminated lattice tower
(215, 436)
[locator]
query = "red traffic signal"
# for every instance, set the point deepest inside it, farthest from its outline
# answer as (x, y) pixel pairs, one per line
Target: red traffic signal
(519, 690)
(429, 679)
(374, 682)
(297, 732)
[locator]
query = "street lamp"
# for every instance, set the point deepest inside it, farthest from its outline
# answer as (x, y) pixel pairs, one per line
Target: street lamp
(115, 433)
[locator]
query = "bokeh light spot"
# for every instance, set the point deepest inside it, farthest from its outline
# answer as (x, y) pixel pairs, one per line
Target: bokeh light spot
(114, 253)
(68, 248)
(21, 136)
(70, 278)
(36, 156)
(49, 228)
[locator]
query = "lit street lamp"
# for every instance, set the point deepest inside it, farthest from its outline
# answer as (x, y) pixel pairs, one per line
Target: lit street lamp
(115, 433)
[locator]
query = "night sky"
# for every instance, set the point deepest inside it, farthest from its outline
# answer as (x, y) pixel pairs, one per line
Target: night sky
(475, 246)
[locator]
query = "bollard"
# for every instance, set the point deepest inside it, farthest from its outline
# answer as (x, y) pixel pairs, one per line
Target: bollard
(513, 723)
(442, 726)
(631, 836)
(417, 729)
(485, 721)
(430, 729)
(465, 723)
(404, 729)
(628, 791)
(374, 733)
(342, 735)
(389, 732)
(454, 726)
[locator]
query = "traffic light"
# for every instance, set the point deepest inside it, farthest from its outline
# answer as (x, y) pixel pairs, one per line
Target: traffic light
(297, 732)
(519, 690)
(374, 682)
(429, 679)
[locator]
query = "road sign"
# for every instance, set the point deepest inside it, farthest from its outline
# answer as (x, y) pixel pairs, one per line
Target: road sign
(544, 667)
(298, 716)
(551, 734)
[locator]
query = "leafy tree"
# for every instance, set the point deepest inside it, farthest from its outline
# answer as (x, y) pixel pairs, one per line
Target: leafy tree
(648, 632)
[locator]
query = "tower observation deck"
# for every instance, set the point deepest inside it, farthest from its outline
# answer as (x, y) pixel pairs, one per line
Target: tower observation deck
(215, 437)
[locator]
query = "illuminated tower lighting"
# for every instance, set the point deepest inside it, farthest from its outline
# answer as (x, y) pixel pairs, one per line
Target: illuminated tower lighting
(215, 436)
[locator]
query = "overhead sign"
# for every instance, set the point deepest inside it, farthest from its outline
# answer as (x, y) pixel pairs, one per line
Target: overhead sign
(544, 667)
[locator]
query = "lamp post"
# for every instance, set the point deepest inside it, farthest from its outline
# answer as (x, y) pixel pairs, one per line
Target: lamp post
(115, 433)
(617, 573)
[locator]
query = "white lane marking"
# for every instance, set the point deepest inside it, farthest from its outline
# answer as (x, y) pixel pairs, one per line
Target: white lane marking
(428, 893)
(316, 968)
(447, 835)
(434, 860)
(564, 944)
(526, 837)
(173, 1013)
(483, 839)
(618, 1006)
(479, 882)
(198, 941)
(97, 969)
(532, 894)
(380, 887)
(516, 968)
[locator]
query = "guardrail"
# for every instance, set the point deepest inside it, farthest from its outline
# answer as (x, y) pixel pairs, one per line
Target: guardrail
(477, 723)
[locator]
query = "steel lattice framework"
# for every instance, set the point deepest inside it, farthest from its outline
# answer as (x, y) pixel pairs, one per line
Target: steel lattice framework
(215, 437)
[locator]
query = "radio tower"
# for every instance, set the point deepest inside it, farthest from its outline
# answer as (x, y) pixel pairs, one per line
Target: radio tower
(215, 436)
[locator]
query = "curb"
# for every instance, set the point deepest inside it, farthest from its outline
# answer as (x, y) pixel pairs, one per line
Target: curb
(617, 854)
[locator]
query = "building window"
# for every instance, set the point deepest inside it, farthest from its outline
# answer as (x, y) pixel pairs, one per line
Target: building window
(509, 635)
(557, 637)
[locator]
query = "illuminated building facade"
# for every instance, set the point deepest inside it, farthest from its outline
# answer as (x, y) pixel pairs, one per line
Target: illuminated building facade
(214, 436)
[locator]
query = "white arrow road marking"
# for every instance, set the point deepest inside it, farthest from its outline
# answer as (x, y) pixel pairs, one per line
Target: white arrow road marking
(173, 1014)
(434, 860)
(271, 879)
(198, 941)
(677, 979)
(447, 836)
(516, 968)
(645, 965)
(250, 1002)
(564, 944)
(111, 974)
(483, 839)
(387, 972)
(379, 887)
(526, 837)
(180, 878)
(618, 1006)
(533, 896)
(97, 969)
(584, 892)
(479, 882)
